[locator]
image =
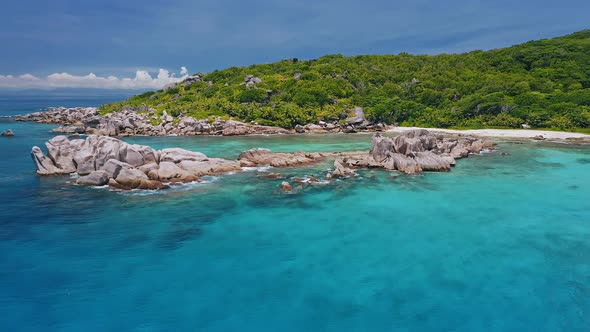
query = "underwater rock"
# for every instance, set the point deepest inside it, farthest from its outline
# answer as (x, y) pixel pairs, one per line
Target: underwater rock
(211, 166)
(274, 176)
(286, 187)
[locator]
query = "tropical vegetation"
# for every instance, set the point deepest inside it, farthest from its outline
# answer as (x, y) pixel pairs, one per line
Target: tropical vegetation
(544, 83)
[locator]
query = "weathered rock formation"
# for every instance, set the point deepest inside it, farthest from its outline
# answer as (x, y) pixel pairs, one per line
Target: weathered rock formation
(7, 133)
(101, 160)
(95, 178)
(356, 123)
(143, 121)
(138, 122)
(251, 80)
(286, 186)
(358, 119)
(190, 80)
(262, 157)
(341, 171)
(417, 151)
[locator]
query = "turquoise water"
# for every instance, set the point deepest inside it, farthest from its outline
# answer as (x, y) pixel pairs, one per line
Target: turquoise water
(501, 243)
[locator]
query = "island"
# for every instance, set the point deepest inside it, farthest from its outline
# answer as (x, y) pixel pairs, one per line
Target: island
(539, 84)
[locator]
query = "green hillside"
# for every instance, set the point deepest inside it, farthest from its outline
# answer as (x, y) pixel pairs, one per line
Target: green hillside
(543, 83)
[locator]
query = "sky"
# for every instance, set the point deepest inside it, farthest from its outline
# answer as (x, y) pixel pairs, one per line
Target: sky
(132, 44)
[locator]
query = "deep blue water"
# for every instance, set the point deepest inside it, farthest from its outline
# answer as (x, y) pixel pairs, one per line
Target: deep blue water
(501, 243)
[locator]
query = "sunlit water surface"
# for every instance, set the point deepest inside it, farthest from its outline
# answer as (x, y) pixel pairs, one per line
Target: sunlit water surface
(501, 243)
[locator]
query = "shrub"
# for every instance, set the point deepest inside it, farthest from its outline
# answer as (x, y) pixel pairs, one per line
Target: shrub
(252, 96)
(560, 122)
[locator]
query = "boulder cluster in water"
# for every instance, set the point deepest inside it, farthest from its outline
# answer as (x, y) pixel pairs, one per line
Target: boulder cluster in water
(103, 160)
(7, 133)
(143, 121)
(416, 151)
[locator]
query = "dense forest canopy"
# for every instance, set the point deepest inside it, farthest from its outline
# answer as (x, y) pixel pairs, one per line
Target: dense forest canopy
(544, 83)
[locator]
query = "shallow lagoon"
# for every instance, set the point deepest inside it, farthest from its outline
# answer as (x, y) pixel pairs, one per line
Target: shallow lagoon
(501, 243)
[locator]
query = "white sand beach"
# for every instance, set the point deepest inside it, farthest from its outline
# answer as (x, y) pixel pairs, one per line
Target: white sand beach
(508, 133)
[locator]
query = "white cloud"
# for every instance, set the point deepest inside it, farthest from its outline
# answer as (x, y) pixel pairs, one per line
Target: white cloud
(142, 80)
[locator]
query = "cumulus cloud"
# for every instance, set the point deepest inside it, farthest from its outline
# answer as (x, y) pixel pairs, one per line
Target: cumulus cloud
(142, 80)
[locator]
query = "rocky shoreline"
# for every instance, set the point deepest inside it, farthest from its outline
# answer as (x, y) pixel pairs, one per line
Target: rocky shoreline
(103, 160)
(143, 121)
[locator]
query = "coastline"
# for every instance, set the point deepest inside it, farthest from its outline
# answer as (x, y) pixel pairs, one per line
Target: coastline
(503, 133)
(132, 122)
(143, 121)
(103, 160)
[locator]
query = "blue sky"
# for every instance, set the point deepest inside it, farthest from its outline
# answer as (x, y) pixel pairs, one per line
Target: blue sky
(119, 38)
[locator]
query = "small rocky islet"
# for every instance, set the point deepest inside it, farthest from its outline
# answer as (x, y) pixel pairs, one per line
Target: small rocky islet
(7, 133)
(104, 160)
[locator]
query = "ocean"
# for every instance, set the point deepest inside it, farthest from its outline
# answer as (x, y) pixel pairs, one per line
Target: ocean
(500, 243)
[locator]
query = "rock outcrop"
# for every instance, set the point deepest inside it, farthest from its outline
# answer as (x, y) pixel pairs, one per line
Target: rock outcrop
(286, 186)
(144, 121)
(355, 123)
(95, 178)
(137, 121)
(251, 80)
(336, 127)
(358, 119)
(190, 80)
(101, 160)
(417, 151)
(262, 157)
(7, 133)
(341, 171)
(45, 166)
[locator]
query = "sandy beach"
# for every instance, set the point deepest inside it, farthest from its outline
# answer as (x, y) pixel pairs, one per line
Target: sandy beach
(507, 133)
